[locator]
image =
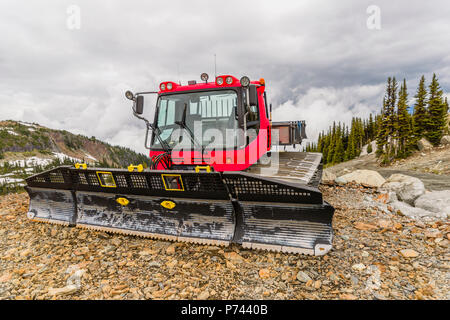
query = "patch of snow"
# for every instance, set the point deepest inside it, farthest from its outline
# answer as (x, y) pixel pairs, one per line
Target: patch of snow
(62, 156)
(9, 180)
(90, 157)
(27, 124)
(30, 162)
(7, 175)
(13, 133)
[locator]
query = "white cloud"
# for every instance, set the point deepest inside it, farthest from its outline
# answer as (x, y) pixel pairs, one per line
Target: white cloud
(320, 61)
(319, 107)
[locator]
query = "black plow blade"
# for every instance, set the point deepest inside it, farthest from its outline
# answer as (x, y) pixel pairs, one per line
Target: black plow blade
(200, 207)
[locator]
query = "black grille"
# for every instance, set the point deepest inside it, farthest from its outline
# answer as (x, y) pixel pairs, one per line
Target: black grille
(200, 185)
(248, 187)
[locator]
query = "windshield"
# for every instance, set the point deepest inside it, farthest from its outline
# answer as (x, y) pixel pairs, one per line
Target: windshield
(210, 116)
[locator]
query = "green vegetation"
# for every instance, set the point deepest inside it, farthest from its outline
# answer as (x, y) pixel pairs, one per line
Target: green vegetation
(340, 143)
(73, 142)
(420, 111)
(398, 137)
(396, 131)
(437, 113)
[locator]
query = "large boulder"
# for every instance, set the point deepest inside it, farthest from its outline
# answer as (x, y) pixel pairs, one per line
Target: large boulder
(436, 201)
(413, 212)
(368, 178)
(445, 140)
(328, 176)
(407, 188)
(423, 144)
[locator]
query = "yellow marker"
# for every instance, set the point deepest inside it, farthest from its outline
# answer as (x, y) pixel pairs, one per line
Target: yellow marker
(82, 165)
(139, 168)
(168, 204)
(106, 179)
(167, 182)
(123, 201)
(198, 168)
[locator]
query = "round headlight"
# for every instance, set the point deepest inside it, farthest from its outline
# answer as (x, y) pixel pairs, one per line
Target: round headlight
(219, 81)
(245, 81)
(204, 76)
(129, 95)
(169, 86)
(229, 80)
(162, 87)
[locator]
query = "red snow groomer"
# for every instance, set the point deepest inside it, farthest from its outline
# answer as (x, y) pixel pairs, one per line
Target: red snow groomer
(214, 176)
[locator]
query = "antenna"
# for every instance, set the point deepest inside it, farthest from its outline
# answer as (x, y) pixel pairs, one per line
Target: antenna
(215, 66)
(178, 73)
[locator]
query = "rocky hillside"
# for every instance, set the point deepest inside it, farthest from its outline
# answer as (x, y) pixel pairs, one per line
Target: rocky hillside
(27, 148)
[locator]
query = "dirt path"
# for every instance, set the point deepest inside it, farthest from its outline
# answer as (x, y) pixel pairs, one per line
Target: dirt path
(432, 167)
(42, 261)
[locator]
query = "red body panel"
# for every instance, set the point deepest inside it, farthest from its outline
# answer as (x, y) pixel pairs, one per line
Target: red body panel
(251, 153)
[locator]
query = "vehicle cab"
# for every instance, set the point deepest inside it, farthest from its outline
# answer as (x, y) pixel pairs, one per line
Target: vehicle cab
(223, 124)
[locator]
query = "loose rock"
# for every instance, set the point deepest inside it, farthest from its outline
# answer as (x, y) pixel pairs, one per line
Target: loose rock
(303, 277)
(368, 178)
(409, 253)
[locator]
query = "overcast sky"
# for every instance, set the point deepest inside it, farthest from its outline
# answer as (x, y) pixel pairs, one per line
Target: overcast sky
(320, 59)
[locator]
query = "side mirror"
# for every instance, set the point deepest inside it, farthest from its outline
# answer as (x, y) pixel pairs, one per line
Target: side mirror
(253, 96)
(139, 105)
(247, 102)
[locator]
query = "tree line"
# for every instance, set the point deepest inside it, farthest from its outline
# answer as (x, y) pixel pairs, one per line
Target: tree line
(395, 130)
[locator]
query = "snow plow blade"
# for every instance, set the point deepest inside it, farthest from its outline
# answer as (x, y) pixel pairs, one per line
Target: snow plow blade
(199, 207)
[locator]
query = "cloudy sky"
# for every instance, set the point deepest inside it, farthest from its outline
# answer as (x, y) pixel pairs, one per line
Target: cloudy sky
(322, 61)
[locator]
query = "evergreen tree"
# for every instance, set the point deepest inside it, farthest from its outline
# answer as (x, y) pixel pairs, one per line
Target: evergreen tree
(369, 148)
(436, 113)
(403, 122)
(338, 155)
(382, 134)
(332, 144)
(420, 111)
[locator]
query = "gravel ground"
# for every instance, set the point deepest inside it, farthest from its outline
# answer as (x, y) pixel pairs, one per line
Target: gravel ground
(376, 255)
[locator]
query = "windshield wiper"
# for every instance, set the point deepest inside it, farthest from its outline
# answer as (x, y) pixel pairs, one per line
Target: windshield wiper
(183, 125)
(163, 143)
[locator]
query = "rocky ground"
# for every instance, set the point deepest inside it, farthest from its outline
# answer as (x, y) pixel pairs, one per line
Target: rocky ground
(376, 255)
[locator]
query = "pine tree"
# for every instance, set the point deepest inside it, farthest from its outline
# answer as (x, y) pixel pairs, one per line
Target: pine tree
(420, 111)
(403, 122)
(446, 111)
(332, 145)
(436, 113)
(339, 152)
(383, 131)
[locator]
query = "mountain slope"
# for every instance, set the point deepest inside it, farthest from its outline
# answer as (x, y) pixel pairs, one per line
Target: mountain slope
(27, 148)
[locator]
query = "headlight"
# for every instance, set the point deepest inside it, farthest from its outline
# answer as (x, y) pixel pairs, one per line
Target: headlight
(169, 86)
(229, 80)
(162, 87)
(219, 81)
(129, 95)
(204, 76)
(245, 81)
